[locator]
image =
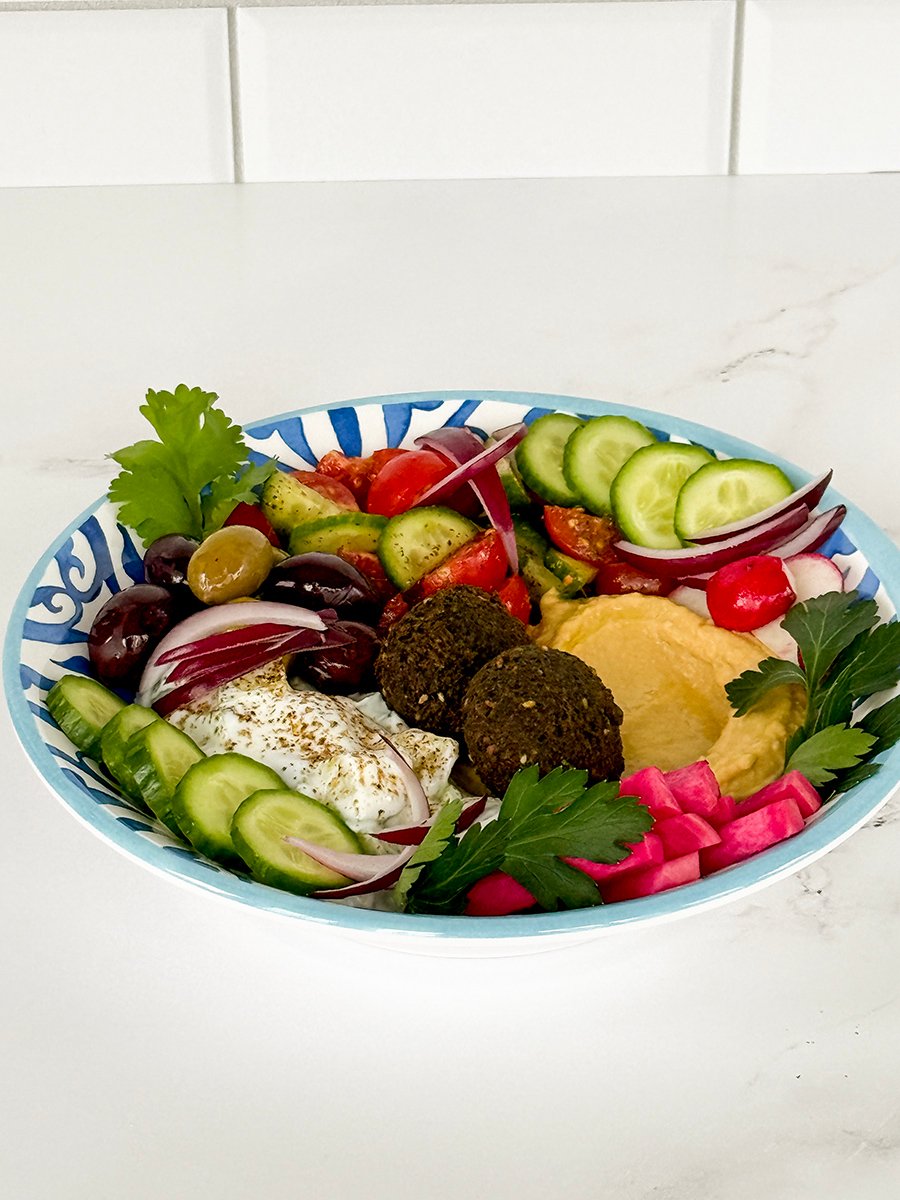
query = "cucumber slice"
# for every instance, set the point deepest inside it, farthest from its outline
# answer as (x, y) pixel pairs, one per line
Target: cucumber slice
(158, 757)
(288, 502)
(572, 574)
(266, 818)
(595, 454)
(539, 457)
(114, 742)
(722, 492)
(645, 491)
(346, 531)
(415, 542)
(208, 795)
(81, 707)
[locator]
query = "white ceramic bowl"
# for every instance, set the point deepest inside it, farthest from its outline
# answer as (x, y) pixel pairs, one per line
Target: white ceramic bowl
(95, 556)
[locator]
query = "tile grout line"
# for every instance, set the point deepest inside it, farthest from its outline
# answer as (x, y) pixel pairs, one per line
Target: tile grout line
(234, 84)
(737, 81)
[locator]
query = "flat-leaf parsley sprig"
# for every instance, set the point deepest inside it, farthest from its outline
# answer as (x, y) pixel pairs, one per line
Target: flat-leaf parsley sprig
(191, 478)
(846, 657)
(540, 822)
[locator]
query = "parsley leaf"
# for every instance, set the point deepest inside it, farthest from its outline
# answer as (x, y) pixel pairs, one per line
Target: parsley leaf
(430, 848)
(540, 822)
(847, 656)
(192, 477)
(821, 756)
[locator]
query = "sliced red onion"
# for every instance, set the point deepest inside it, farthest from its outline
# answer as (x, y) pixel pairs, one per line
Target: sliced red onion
(813, 534)
(681, 562)
(461, 446)
(413, 835)
(394, 864)
(217, 620)
(202, 677)
(362, 868)
(809, 495)
(418, 801)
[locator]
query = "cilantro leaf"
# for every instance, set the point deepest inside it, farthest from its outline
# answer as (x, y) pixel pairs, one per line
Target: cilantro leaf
(824, 626)
(829, 750)
(540, 822)
(751, 686)
(190, 479)
(430, 848)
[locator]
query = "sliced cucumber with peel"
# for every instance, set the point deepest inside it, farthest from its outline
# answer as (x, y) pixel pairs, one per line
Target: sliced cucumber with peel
(266, 818)
(344, 531)
(645, 491)
(723, 492)
(415, 542)
(209, 794)
(158, 756)
(595, 453)
(82, 708)
(539, 457)
(114, 740)
(572, 575)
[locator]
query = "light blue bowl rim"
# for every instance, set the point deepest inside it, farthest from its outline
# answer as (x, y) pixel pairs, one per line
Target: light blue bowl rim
(843, 815)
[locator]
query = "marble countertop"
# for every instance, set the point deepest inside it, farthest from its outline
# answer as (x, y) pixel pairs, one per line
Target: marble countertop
(157, 1042)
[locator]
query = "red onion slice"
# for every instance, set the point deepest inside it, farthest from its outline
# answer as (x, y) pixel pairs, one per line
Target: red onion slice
(413, 835)
(681, 562)
(418, 801)
(377, 883)
(809, 495)
(813, 534)
(361, 868)
(461, 446)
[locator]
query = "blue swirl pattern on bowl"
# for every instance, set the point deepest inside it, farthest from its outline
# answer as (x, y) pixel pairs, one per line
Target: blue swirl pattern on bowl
(95, 557)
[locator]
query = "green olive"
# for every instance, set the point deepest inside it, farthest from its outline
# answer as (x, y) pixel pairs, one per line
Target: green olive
(230, 563)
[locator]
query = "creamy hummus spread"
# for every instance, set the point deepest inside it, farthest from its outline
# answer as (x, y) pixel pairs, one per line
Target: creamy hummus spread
(667, 668)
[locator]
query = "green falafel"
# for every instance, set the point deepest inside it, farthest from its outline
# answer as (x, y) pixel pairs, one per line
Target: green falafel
(536, 705)
(431, 653)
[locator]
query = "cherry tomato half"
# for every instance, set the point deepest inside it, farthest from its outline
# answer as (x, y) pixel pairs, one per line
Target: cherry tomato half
(329, 487)
(515, 598)
(402, 479)
(749, 593)
(480, 563)
(580, 533)
(370, 565)
(355, 473)
(617, 578)
(248, 514)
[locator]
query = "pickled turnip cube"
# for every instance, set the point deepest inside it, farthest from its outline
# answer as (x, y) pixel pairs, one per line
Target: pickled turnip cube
(684, 834)
(654, 879)
(695, 788)
(749, 834)
(497, 895)
(650, 787)
(646, 853)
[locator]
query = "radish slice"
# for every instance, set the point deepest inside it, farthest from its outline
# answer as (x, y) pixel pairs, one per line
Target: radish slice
(681, 562)
(813, 575)
(215, 621)
(693, 598)
(776, 638)
(461, 446)
(809, 496)
(813, 534)
(413, 835)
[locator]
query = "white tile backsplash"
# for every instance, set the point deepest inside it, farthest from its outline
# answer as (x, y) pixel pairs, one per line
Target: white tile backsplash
(485, 90)
(821, 86)
(114, 97)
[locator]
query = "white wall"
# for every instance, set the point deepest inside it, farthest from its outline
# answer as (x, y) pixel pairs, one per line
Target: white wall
(156, 92)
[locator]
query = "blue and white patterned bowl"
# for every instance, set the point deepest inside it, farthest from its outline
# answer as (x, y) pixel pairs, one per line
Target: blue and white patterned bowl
(95, 557)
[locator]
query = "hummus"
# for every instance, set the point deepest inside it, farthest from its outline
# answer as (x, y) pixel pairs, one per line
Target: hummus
(667, 668)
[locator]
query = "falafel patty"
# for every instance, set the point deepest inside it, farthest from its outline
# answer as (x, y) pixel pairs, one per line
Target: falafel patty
(536, 705)
(431, 653)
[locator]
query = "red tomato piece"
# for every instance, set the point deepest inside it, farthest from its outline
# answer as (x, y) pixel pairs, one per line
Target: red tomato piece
(370, 566)
(513, 595)
(480, 563)
(749, 593)
(580, 534)
(402, 479)
(398, 606)
(329, 487)
(616, 578)
(248, 514)
(353, 473)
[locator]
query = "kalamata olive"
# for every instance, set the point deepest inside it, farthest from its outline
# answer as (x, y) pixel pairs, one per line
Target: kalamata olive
(342, 669)
(230, 563)
(320, 581)
(126, 630)
(166, 562)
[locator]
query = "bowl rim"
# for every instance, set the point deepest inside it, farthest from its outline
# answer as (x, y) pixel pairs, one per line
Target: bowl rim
(844, 815)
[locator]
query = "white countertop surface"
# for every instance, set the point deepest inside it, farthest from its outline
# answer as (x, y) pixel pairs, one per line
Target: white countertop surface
(158, 1043)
